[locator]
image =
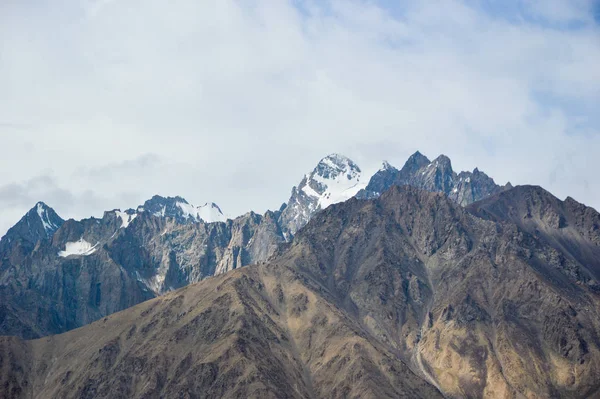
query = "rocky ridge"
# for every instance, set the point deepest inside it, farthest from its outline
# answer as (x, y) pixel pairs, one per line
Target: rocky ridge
(61, 275)
(94, 267)
(436, 176)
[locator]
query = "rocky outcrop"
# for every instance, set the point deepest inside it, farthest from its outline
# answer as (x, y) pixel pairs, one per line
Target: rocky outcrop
(39, 223)
(435, 176)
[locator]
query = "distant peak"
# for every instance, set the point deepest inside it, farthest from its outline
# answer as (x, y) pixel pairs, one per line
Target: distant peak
(161, 199)
(338, 161)
(385, 165)
(415, 162)
(337, 157)
(442, 160)
(334, 165)
(41, 204)
(336, 178)
(41, 221)
(417, 156)
(40, 207)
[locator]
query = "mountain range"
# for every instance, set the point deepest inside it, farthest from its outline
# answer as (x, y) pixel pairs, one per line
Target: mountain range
(57, 275)
(419, 282)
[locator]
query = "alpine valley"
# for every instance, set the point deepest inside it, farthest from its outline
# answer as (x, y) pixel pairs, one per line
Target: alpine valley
(415, 282)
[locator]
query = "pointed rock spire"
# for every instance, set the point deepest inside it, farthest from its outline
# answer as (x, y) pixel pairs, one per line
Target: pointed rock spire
(40, 222)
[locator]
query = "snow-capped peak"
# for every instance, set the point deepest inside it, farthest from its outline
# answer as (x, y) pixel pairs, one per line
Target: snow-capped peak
(78, 248)
(209, 212)
(50, 226)
(335, 165)
(40, 222)
(335, 179)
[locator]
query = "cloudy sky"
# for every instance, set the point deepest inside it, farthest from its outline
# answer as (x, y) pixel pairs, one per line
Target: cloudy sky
(104, 103)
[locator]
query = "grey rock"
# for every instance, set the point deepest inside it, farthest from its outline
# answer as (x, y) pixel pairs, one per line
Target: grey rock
(45, 293)
(334, 179)
(434, 176)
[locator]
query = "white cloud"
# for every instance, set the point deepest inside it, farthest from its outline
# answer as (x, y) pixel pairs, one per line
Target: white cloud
(238, 99)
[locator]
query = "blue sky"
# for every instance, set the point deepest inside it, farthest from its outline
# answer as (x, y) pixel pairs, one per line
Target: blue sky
(107, 102)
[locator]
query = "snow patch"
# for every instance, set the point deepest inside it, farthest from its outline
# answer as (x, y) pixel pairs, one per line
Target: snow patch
(43, 214)
(125, 218)
(308, 190)
(79, 248)
(343, 184)
(189, 211)
(211, 213)
(161, 213)
(208, 212)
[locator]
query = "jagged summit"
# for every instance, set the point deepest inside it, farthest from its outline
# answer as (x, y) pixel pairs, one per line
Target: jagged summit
(437, 176)
(415, 161)
(40, 222)
(385, 165)
(334, 166)
(336, 178)
(182, 211)
(50, 220)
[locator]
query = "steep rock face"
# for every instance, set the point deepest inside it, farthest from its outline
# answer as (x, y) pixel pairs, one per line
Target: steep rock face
(55, 288)
(382, 180)
(473, 186)
(434, 176)
(91, 268)
(437, 176)
(570, 228)
(414, 163)
(38, 224)
(335, 179)
(479, 308)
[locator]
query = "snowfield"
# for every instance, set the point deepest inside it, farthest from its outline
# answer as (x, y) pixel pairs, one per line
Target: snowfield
(78, 248)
